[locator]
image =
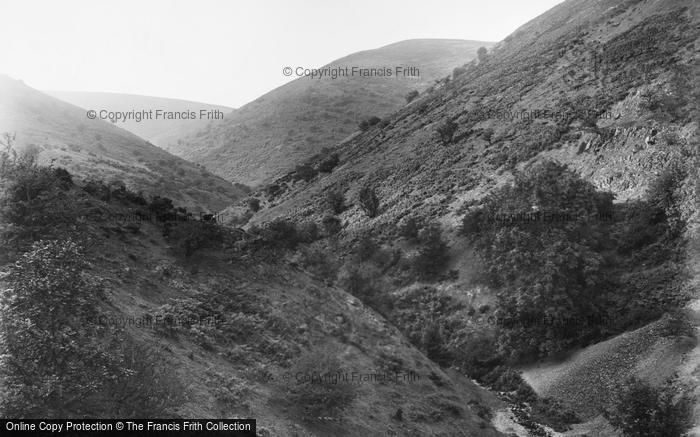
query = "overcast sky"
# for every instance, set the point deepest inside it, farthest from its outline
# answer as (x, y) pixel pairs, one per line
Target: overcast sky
(222, 51)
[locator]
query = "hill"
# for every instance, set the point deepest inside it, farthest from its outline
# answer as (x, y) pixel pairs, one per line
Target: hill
(272, 134)
(604, 88)
(61, 133)
(156, 131)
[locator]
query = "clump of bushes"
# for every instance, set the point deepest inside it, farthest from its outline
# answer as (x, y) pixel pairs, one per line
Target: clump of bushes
(640, 410)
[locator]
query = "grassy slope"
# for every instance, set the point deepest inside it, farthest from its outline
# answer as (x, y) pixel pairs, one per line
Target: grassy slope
(62, 133)
(141, 273)
(272, 134)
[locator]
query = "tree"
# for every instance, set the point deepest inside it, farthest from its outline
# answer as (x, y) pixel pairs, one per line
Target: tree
(432, 256)
(481, 54)
(640, 410)
(48, 357)
(369, 202)
(550, 270)
(411, 96)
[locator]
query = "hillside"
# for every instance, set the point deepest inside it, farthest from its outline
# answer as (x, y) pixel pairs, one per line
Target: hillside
(269, 136)
(157, 132)
(239, 330)
(63, 134)
(606, 88)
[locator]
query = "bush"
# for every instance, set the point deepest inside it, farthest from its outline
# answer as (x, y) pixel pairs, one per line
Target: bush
(482, 54)
(458, 71)
(253, 204)
(191, 236)
(282, 232)
(55, 362)
(369, 202)
(304, 172)
(411, 96)
(335, 200)
(446, 131)
(410, 228)
(313, 391)
(331, 224)
(433, 252)
(640, 410)
(369, 122)
(328, 164)
(308, 232)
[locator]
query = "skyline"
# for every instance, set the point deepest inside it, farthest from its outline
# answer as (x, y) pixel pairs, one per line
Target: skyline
(219, 52)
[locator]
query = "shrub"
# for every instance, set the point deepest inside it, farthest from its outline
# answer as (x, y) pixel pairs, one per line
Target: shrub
(482, 54)
(305, 172)
(331, 224)
(46, 352)
(33, 198)
(191, 236)
(366, 248)
(282, 232)
(640, 410)
(487, 134)
(314, 389)
(411, 96)
(360, 280)
(369, 122)
(253, 204)
(369, 202)
(446, 131)
(410, 228)
(335, 200)
(434, 344)
(308, 232)
(329, 163)
(458, 71)
(162, 208)
(433, 252)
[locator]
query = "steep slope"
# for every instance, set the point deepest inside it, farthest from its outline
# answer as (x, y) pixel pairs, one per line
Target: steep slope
(272, 134)
(231, 322)
(63, 134)
(606, 87)
(156, 131)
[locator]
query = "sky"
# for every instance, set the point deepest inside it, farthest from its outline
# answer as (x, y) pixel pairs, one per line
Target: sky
(226, 52)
